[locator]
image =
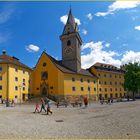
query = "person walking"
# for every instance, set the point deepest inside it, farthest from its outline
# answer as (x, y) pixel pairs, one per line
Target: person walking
(37, 108)
(85, 101)
(42, 105)
(13, 103)
(48, 108)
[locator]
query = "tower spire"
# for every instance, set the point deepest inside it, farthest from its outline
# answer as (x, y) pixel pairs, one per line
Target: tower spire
(71, 45)
(70, 19)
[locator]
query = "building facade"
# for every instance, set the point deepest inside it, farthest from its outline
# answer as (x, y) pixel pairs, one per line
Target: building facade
(14, 79)
(50, 78)
(60, 79)
(110, 80)
(66, 78)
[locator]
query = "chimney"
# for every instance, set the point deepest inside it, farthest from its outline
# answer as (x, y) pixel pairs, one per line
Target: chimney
(3, 52)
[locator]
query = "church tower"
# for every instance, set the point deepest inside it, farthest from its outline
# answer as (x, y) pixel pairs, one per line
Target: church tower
(71, 45)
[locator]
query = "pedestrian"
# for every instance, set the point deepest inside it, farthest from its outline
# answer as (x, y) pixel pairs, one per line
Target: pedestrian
(102, 100)
(111, 99)
(13, 103)
(46, 100)
(48, 108)
(108, 101)
(85, 101)
(37, 108)
(42, 105)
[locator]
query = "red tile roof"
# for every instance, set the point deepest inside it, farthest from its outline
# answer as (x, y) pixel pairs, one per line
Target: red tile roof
(5, 59)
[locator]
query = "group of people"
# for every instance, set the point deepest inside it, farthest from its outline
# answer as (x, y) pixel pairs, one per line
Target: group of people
(45, 105)
(108, 101)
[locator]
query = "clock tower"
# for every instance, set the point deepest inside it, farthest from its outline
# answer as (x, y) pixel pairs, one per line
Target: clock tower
(71, 45)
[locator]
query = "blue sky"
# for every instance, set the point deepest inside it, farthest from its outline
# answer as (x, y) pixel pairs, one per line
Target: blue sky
(110, 30)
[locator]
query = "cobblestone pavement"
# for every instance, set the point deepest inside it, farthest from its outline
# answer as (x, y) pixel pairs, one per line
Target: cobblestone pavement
(119, 120)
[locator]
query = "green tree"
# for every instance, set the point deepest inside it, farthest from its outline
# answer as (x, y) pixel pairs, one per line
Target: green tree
(132, 78)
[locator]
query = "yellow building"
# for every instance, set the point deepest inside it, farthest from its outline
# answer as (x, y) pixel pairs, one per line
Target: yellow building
(14, 78)
(66, 78)
(50, 78)
(60, 79)
(110, 80)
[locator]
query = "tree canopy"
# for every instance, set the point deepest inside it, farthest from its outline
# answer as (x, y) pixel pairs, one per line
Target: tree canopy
(132, 78)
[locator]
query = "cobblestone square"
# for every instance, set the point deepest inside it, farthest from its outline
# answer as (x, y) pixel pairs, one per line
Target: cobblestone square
(118, 120)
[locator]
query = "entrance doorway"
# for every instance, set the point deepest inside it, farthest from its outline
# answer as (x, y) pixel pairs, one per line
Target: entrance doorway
(44, 89)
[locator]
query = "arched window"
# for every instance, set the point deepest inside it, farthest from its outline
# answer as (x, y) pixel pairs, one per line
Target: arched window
(68, 43)
(44, 75)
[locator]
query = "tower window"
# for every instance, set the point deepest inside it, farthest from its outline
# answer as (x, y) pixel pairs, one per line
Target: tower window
(68, 43)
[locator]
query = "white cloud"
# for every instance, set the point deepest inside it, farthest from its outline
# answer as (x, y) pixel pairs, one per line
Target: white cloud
(137, 28)
(84, 32)
(89, 16)
(32, 48)
(130, 56)
(64, 18)
(119, 5)
(107, 45)
(96, 53)
(6, 14)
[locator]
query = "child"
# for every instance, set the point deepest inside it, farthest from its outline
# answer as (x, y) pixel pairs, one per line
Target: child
(48, 108)
(37, 108)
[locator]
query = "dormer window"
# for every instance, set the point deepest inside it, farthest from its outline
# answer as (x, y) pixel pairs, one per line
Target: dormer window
(68, 43)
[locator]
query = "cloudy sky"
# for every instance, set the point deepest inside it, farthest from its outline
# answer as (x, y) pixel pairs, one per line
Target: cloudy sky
(110, 30)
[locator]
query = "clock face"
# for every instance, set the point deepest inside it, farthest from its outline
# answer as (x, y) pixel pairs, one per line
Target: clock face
(68, 50)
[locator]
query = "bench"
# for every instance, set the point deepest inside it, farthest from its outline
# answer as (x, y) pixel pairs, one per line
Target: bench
(76, 103)
(62, 103)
